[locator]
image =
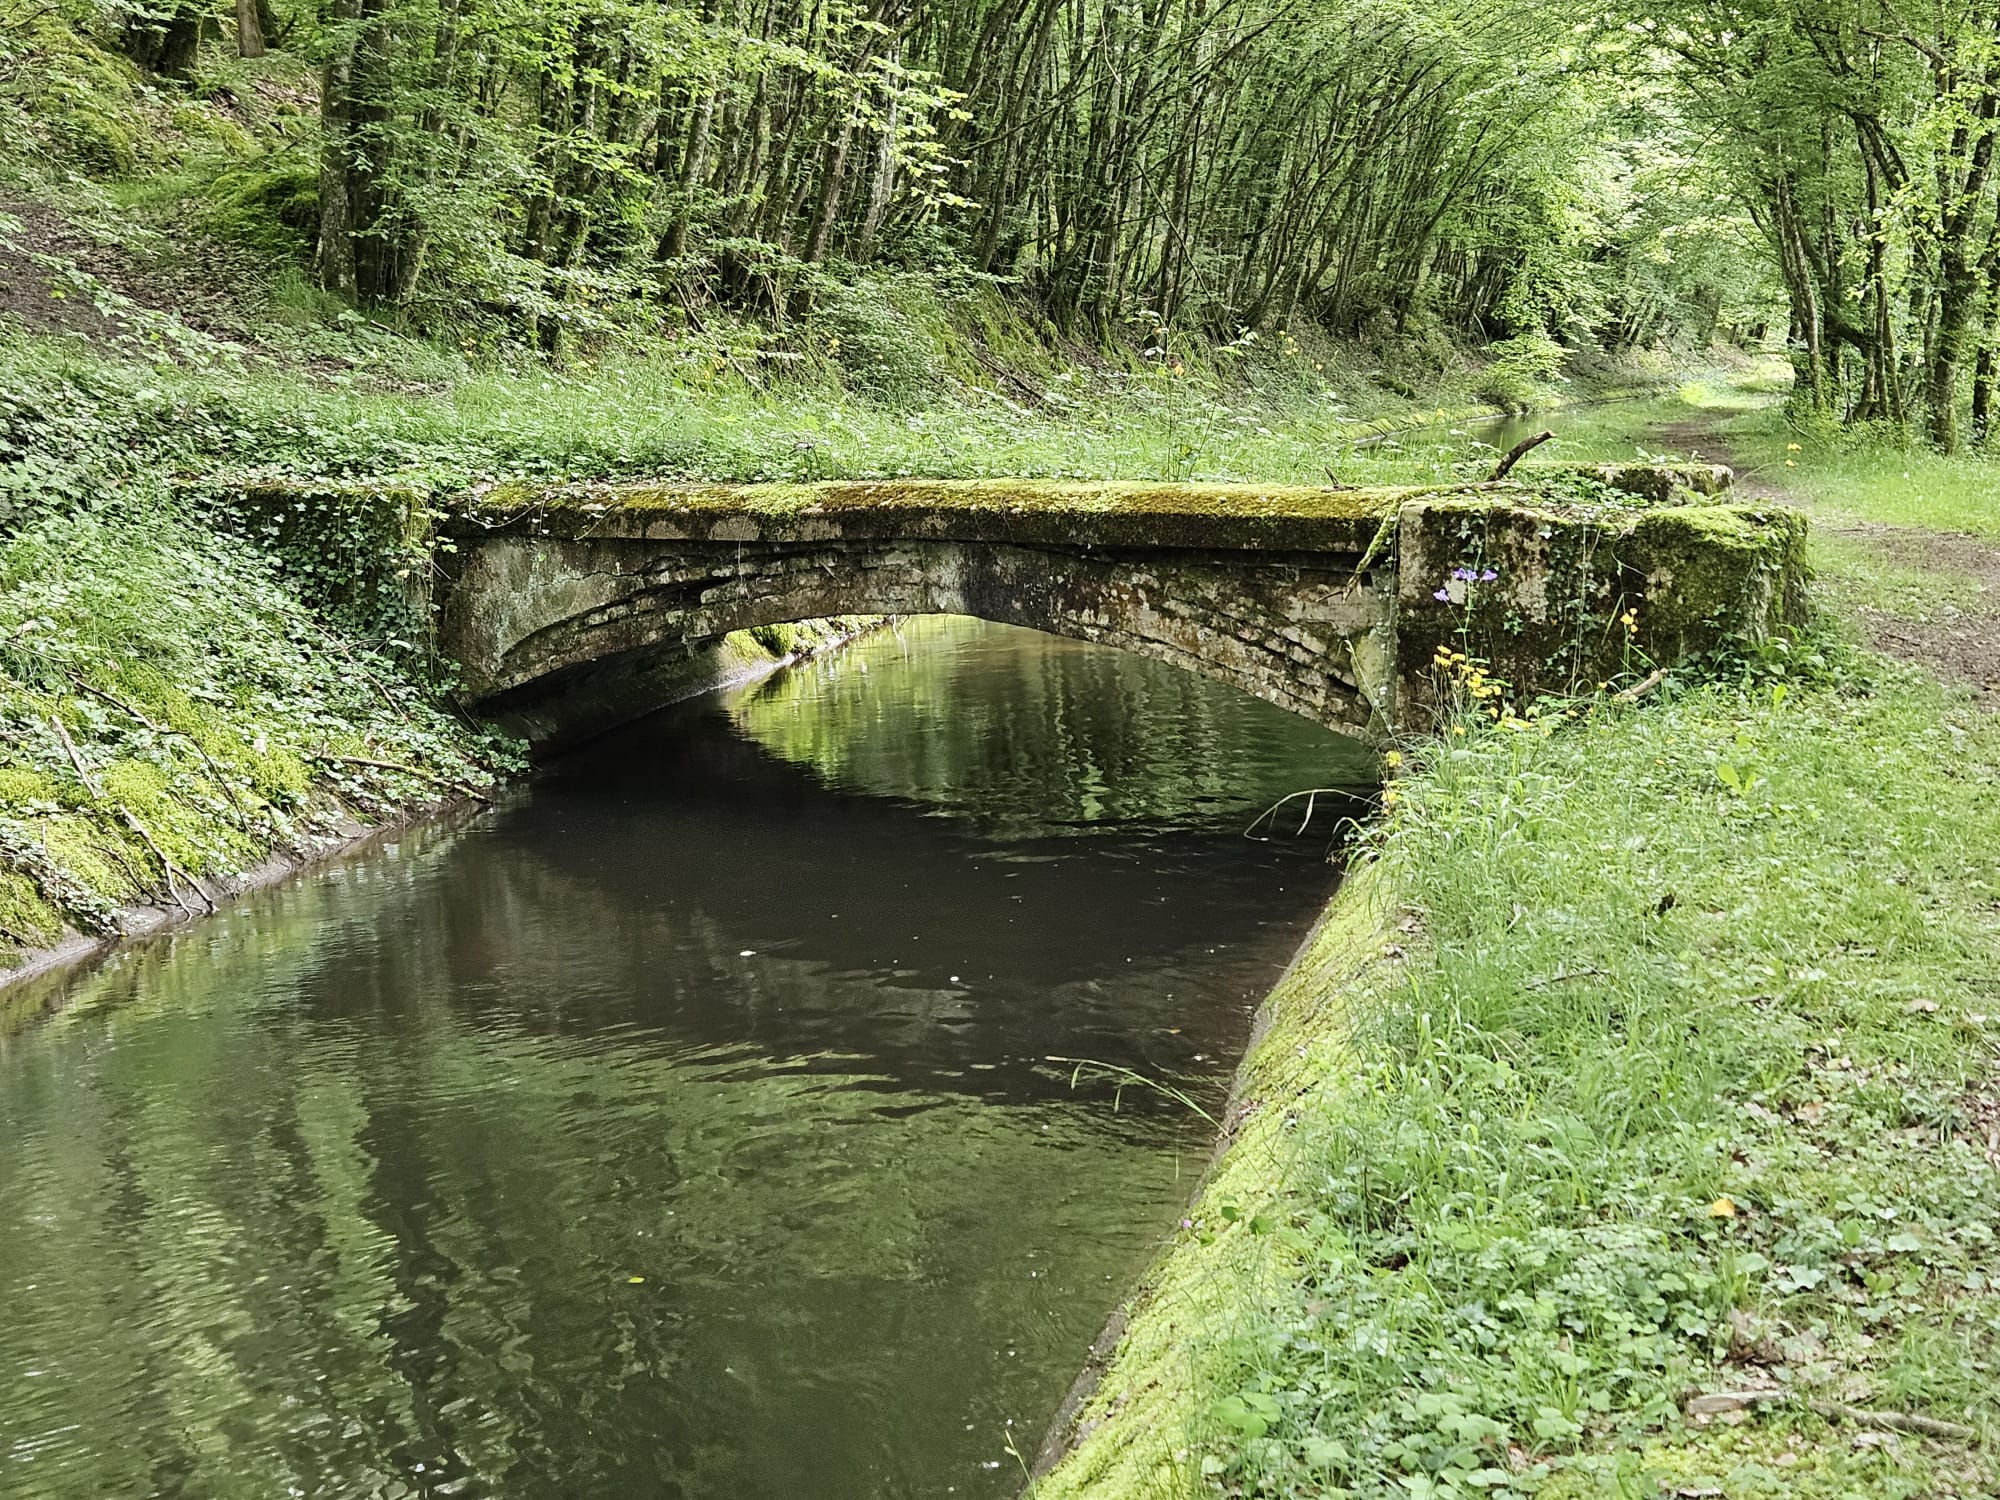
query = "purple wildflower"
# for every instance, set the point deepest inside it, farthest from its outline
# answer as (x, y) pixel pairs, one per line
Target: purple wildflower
(1464, 575)
(1443, 596)
(1488, 576)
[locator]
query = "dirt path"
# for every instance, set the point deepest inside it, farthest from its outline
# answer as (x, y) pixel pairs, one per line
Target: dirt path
(159, 269)
(1954, 630)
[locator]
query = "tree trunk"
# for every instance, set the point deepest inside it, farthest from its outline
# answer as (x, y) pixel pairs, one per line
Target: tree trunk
(334, 259)
(1983, 368)
(249, 29)
(165, 44)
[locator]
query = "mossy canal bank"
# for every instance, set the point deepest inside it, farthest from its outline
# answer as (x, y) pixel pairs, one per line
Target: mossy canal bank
(1627, 1126)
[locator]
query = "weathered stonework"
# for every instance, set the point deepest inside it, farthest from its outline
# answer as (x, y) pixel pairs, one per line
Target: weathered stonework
(1323, 601)
(1309, 632)
(1551, 617)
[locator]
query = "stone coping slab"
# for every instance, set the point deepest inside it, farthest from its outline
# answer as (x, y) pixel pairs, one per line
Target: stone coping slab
(1125, 513)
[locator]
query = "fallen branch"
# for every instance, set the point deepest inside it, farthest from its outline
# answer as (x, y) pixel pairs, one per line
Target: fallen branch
(1563, 976)
(69, 745)
(702, 328)
(1517, 452)
(417, 771)
(166, 865)
(1892, 1421)
(993, 366)
(369, 677)
(1639, 689)
(1720, 1402)
(214, 771)
(1715, 1403)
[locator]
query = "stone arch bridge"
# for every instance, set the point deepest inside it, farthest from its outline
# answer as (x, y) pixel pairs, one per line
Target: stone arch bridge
(572, 605)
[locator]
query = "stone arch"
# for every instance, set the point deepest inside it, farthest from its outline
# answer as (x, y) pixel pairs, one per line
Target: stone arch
(560, 627)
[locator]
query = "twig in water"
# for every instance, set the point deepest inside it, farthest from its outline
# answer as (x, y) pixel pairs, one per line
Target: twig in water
(1515, 454)
(1311, 794)
(1127, 1078)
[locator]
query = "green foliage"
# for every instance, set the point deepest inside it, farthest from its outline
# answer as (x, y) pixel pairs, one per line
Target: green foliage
(1521, 368)
(172, 704)
(1865, 143)
(1669, 1080)
(271, 210)
(173, 710)
(571, 172)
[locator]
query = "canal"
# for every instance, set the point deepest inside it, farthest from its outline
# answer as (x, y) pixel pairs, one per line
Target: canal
(683, 1126)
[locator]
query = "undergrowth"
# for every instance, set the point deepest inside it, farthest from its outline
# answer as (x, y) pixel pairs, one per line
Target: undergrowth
(675, 414)
(169, 709)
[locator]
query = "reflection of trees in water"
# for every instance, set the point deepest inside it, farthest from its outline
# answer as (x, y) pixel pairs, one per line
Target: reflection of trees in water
(1031, 733)
(277, 1230)
(877, 939)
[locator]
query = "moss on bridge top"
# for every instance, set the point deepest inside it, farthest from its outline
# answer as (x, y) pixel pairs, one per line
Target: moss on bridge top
(1113, 513)
(997, 510)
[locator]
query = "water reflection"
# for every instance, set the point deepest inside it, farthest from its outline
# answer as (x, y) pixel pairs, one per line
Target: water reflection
(680, 1128)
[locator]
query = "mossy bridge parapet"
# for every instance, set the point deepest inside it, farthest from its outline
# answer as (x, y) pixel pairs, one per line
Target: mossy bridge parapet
(562, 603)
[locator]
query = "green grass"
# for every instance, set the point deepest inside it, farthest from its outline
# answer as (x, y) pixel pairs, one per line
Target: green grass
(1864, 475)
(1868, 478)
(1664, 1071)
(683, 417)
(378, 402)
(1863, 574)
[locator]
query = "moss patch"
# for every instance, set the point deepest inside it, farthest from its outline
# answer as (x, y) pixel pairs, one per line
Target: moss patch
(25, 918)
(967, 497)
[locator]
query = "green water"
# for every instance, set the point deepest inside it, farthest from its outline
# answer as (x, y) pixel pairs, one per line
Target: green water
(681, 1127)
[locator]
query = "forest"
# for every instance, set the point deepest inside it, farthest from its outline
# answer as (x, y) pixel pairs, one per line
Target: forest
(1135, 171)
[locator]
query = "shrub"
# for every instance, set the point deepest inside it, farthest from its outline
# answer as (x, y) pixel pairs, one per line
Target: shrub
(881, 353)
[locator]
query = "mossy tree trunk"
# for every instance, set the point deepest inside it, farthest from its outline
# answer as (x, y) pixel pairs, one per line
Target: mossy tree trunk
(165, 41)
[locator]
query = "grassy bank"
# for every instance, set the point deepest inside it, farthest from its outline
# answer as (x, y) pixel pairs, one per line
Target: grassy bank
(1651, 1059)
